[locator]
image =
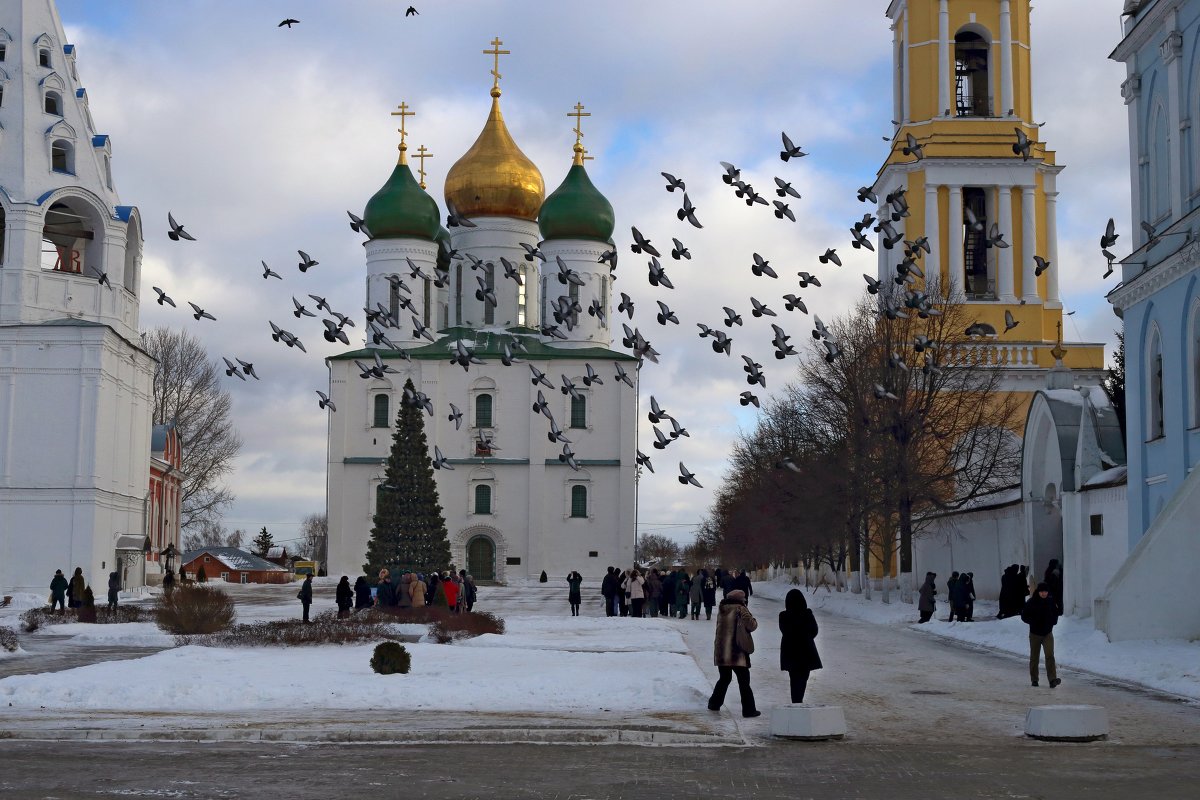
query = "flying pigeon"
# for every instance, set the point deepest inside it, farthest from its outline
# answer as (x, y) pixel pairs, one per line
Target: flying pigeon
(232, 370)
(762, 267)
(789, 151)
(163, 298)
(199, 313)
(673, 183)
(642, 245)
(177, 232)
(686, 477)
(270, 273)
(784, 189)
(688, 212)
(325, 402)
(679, 251)
(306, 261)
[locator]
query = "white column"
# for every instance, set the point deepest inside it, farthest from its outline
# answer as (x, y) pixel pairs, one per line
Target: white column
(933, 264)
(1029, 290)
(957, 273)
(1006, 67)
(1004, 260)
(1053, 300)
(943, 57)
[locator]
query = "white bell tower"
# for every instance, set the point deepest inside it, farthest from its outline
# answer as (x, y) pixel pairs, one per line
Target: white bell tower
(75, 385)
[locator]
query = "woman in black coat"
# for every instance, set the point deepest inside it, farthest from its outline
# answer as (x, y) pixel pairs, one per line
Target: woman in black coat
(798, 647)
(344, 597)
(362, 593)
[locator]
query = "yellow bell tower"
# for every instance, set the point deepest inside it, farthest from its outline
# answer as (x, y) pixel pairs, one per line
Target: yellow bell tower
(985, 202)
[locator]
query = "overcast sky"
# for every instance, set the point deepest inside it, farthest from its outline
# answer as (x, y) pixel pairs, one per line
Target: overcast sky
(260, 138)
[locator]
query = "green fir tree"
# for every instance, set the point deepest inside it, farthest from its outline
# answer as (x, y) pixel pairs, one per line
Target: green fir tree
(409, 530)
(263, 542)
(1114, 380)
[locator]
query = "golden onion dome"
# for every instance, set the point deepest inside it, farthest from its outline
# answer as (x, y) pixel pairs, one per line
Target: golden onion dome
(494, 178)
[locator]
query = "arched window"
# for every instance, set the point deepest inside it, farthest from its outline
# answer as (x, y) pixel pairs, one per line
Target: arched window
(44, 56)
(1160, 165)
(393, 299)
(3, 50)
(972, 88)
(483, 498)
(1, 235)
(425, 311)
(483, 411)
(579, 412)
(62, 157)
(133, 254)
(381, 491)
(489, 310)
(69, 238)
(579, 501)
(108, 172)
(522, 296)
(1154, 385)
(980, 284)
(383, 409)
(54, 104)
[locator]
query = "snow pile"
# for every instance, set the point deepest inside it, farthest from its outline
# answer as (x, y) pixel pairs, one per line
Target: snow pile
(23, 601)
(127, 634)
(584, 634)
(443, 677)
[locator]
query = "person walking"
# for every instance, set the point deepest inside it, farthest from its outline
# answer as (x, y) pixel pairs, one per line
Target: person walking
(344, 597)
(76, 589)
(574, 594)
(710, 593)
(798, 655)
(169, 582)
(952, 596)
(1054, 581)
(431, 586)
(472, 592)
(623, 593)
(1008, 592)
(653, 591)
(683, 589)
(637, 594)
(696, 593)
(58, 592)
(608, 591)
(114, 590)
(732, 646)
(1041, 614)
(742, 583)
(385, 593)
(927, 604)
(968, 594)
(305, 594)
(450, 590)
(667, 599)
(362, 594)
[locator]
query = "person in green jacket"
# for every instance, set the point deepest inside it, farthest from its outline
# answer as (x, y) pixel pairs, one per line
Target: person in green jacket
(58, 591)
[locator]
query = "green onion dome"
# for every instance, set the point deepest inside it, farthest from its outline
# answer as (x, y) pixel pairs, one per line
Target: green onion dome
(402, 209)
(576, 209)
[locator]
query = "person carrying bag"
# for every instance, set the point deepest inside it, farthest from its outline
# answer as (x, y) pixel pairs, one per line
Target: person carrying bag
(731, 652)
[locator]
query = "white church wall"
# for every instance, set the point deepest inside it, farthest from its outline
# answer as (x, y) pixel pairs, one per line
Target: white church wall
(981, 542)
(1092, 559)
(491, 239)
(583, 257)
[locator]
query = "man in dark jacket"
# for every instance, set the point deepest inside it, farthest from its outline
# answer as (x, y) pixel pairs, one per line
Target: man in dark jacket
(608, 590)
(1054, 580)
(58, 591)
(742, 584)
(1041, 614)
(305, 594)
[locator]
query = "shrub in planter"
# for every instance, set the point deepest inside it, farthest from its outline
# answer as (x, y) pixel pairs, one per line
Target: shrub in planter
(192, 609)
(390, 658)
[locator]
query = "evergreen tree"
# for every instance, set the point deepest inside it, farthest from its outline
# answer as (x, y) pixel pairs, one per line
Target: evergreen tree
(201, 575)
(1114, 380)
(409, 531)
(263, 542)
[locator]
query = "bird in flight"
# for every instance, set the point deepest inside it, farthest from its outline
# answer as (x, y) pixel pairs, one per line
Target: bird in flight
(674, 183)
(177, 232)
(411, 11)
(789, 151)
(162, 297)
(289, 23)
(199, 313)
(679, 251)
(306, 262)
(270, 273)
(688, 212)
(325, 402)
(686, 477)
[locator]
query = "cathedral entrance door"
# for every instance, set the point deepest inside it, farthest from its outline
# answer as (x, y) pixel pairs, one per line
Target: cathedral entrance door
(481, 558)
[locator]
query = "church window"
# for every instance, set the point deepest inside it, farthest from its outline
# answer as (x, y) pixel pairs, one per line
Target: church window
(1096, 524)
(54, 104)
(133, 257)
(578, 501)
(579, 412)
(62, 157)
(489, 310)
(604, 298)
(980, 284)
(972, 90)
(66, 239)
(44, 57)
(1, 234)
(1154, 402)
(383, 411)
(394, 300)
(483, 498)
(522, 295)
(483, 411)
(425, 317)
(458, 294)
(3, 50)
(108, 172)
(573, 291)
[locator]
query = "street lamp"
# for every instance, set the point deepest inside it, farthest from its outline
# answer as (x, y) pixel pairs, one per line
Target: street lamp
(168, 553)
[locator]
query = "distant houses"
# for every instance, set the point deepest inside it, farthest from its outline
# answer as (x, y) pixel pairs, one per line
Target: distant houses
(233, 565)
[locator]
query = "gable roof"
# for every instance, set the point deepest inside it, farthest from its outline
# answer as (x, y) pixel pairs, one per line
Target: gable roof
(233, 557)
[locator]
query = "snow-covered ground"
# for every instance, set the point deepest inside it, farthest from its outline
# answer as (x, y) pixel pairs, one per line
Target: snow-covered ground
(1169, 666)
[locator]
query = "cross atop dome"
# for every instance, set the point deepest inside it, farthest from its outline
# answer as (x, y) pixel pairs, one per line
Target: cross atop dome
(402, 112)
(496, 52)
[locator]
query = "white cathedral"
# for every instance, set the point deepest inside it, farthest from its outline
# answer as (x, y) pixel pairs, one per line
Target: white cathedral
(513, 508)
(75, 385)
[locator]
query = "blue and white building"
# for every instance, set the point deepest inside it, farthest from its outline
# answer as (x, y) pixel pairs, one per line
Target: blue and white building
(1159, 300)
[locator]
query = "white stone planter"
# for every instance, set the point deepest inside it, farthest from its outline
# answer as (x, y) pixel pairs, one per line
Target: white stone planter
(808, 723)
(1067, 723)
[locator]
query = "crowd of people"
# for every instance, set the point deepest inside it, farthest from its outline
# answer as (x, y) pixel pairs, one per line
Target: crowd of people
(455, 591)
(1014, 589)
(667, 593)
(76, 593)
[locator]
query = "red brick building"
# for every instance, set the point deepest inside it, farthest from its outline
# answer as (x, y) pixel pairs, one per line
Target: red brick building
(232, 565)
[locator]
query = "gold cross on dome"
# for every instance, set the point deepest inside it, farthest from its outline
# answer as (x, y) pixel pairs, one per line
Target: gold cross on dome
(578, 114)
(422, 154)
(1059, 351)
(496, 52)
(402, 113)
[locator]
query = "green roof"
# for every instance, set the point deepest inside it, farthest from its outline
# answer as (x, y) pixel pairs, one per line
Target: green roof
(490, 344)
(402, 209)
(577, 210)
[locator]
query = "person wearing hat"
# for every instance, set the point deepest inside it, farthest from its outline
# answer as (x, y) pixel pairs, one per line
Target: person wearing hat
(798, 655)
(58, 592)
(731, 652)
(305, 594)
(1041, 614)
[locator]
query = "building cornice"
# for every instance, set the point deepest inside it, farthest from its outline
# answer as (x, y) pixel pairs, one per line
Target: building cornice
(1143, 31)
(1183, 262)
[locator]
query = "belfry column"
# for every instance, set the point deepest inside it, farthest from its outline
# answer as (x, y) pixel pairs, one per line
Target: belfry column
(943, 57)
(1029, 291)
(1005, 290)
(932, 230)
(957, 273)
(1006, 59)
(1053, 300)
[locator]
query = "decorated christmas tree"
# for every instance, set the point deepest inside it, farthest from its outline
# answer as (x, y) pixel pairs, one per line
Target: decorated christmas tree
(409, 530)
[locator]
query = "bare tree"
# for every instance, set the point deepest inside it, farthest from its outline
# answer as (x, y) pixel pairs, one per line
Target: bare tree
(187, 392)
(657, 550)
(207, 533)
(314, 538)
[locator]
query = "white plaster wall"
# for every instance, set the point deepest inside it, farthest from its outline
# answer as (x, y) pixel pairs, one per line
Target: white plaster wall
(982, 542)
(489, 240)
(583, 257)
(387, 257)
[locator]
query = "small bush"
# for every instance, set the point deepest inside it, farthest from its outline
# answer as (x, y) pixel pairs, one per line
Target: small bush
(194, 610)
(455, 627)
(8, 640)
(422, 615)
(325, 628)
(35, 618)
(391, 658)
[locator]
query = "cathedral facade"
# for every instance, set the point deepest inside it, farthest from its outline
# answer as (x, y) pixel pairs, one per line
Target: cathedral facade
(495, 287)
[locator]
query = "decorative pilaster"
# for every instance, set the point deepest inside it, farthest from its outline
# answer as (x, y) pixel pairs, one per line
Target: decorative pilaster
(1053, 299)
(932, 231)
(1029, 289)
(943, 57)
(1004, 260)
(1006, 59)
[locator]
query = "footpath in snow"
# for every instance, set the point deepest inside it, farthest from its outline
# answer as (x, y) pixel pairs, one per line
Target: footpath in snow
(1166, 665)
